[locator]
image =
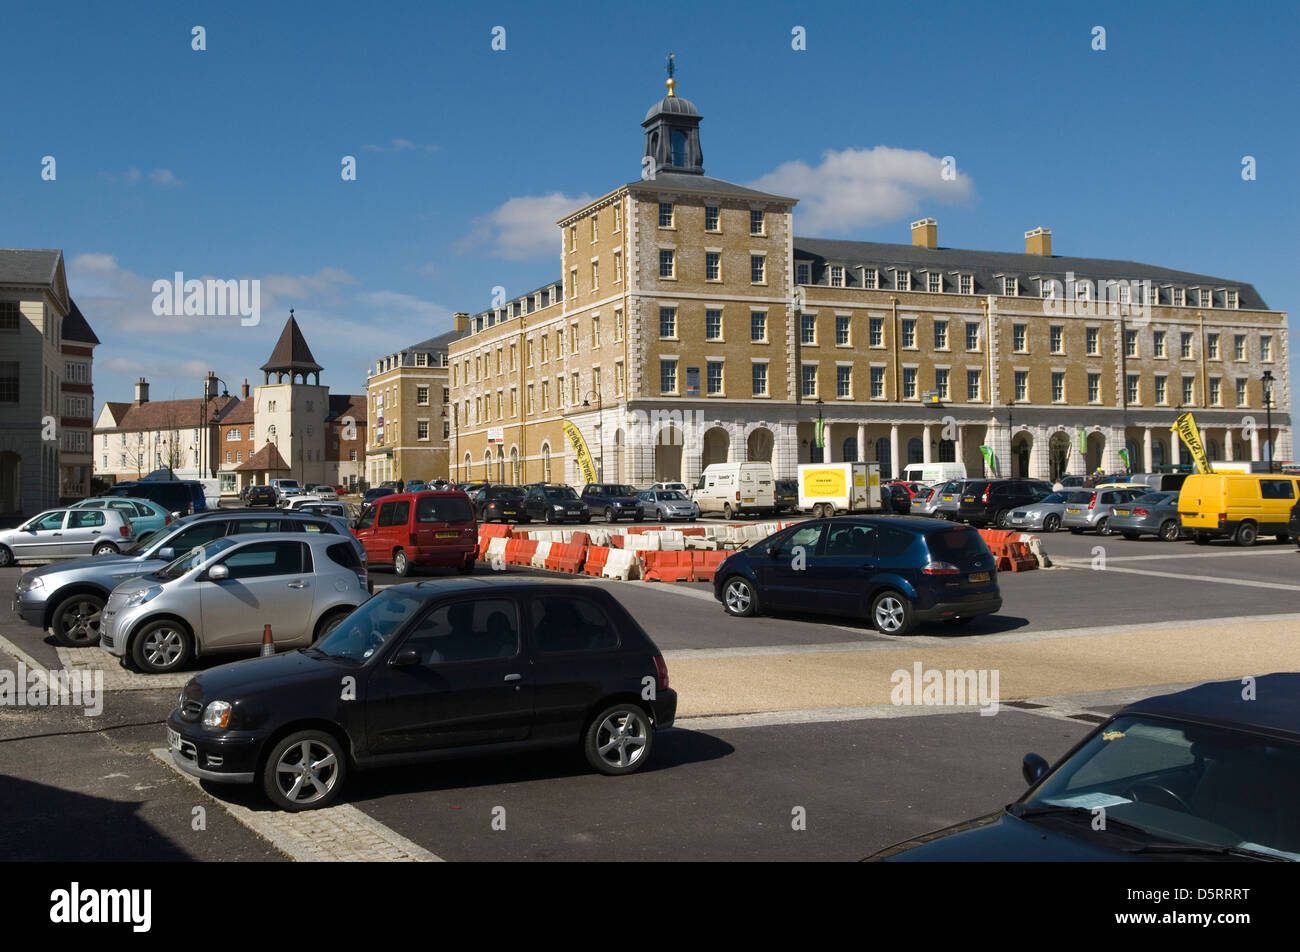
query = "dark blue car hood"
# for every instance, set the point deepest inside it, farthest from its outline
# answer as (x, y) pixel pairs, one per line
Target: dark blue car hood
(1000, 837)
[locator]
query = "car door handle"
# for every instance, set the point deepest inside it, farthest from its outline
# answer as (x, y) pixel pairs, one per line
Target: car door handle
(298, 584)
(868, 565)
(513, 677)
(58, 533)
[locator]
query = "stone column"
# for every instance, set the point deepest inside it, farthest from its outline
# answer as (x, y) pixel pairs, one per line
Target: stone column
(1229, 451)
(1175, 447)
(925, 444)
(830, 444)
(862, 443)
(960, 446)
(1254, 445)
(895, 467)
(1146, 448)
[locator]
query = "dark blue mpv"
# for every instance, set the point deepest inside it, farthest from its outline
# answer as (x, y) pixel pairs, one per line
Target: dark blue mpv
(894, 572)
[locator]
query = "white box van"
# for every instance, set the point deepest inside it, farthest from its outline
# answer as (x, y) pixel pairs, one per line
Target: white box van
(932, 473)
(729, 489)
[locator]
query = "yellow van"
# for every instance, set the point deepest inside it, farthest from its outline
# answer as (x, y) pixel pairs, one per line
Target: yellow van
(1237, 506)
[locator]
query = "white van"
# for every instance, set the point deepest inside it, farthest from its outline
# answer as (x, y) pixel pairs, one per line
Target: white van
(932, 473)
(729, 489)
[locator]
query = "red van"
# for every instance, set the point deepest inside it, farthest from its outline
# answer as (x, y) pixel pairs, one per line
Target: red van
(420, 528)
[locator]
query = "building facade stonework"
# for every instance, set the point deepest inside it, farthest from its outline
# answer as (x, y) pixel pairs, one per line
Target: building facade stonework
(690, 326)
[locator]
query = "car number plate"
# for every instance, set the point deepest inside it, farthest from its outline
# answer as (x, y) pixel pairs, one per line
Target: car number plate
(446, 535)
(947, 499)
(173, 740)
(748, 499)
(980, 577)
(1073, 512)
(1121, 512)
(968, 499)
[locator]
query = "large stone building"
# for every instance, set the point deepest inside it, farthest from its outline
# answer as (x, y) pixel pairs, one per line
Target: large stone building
(691, 326)
(45, 384)
(413, 422)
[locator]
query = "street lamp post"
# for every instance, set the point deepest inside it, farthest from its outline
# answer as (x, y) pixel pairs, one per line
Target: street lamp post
(600, 431)
(1268, 410)
(214, 453)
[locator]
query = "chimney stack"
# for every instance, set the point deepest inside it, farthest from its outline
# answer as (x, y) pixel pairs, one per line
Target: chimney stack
(141, 392)
(460, 320)
(1039, 242)
(925, 233)
(243, 391)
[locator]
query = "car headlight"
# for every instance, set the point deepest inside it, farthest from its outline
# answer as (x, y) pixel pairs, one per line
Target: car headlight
(558, 507)
(139, 598)
(27, 584)
(217, 714)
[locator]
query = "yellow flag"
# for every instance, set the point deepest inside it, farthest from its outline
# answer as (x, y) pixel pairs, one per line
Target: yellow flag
(581, 455)
(1185, 427)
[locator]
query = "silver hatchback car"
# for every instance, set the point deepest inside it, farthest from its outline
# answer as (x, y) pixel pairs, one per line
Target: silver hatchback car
(66, 534)
(218, 597)
(1094, 508)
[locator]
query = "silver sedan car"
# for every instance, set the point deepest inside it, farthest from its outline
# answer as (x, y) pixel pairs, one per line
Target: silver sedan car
(1046, 516)
(66, 534)
(218, 598)
(662, 505)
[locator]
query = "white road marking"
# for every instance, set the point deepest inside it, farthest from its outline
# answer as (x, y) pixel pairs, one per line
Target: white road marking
(1287, 550)
(1220, 579)
(893, 643)
(340, 833)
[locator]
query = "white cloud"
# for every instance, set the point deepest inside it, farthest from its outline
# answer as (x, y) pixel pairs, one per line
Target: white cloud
(857, 188)
(164, 178)
(400, 145)
(522, 227)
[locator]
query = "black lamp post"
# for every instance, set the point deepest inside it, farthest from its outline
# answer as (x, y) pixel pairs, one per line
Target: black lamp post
(600, 431)
(214, 454)
(1268, 411)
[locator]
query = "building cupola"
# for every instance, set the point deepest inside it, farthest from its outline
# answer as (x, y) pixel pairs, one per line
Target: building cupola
(672, 132)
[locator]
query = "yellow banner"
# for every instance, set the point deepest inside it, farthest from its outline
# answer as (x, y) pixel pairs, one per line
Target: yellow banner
(1185, 427)
(581, 455)
(824, 482)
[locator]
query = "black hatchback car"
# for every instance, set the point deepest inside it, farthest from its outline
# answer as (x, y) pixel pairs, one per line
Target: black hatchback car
(1210, 773)
(893, 572)
(498, 503)
(257, 495)
(430, 670)
(990, 501)
(614, 500)
(552, 502)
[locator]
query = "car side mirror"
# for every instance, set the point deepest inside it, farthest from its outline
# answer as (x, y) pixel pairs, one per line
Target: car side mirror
(218, 573)
(167, 553)
(1033, 769)
(406, 658)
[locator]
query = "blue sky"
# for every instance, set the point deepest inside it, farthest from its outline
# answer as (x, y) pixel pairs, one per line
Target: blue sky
(226, 163)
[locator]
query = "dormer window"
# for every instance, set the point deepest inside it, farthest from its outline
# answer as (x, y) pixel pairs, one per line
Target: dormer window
(837, 276)
(870, 279)
(1010, 287)
(934, 282)
(1179, 297)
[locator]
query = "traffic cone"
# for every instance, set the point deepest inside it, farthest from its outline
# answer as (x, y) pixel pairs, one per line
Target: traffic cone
(268, 646)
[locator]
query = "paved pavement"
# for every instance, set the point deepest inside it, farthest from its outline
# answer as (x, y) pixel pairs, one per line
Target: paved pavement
(781, 718)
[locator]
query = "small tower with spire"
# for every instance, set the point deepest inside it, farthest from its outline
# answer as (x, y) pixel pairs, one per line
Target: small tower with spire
(290, 413)
(672, 131)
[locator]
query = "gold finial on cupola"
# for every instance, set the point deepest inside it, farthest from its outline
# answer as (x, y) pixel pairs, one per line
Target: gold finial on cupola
(672, 83)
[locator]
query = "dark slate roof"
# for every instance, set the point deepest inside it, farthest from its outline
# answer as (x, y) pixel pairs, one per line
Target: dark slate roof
(291, 351)
(348, 404)
(665, 181)
(436, 345)
(1276, 707)
(76, 327)
(267, 458)
(987, 265)
(29, 265)
(672, 105)
(509, 309)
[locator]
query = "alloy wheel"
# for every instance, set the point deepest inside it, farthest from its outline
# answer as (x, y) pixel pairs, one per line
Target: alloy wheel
(78, 623)
(306, 772)
(889, 614)
(163, 646)
(621, 737)
(737, 597)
